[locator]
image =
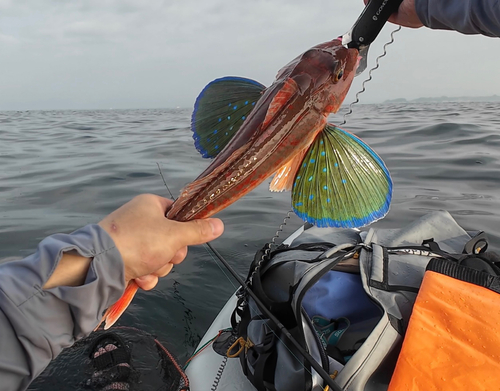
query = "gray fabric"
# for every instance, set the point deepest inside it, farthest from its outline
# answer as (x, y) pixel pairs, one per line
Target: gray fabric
(465, 16)
(36, 324)
(332, 235)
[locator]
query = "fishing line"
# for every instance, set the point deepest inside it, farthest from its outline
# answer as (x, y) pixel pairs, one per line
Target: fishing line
(363, 89)
(221, 269)
(164, 182)
(317, 367)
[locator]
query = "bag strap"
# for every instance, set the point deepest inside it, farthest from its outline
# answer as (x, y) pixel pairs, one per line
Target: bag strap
(464, 273)
(477, 245)
(313, 275)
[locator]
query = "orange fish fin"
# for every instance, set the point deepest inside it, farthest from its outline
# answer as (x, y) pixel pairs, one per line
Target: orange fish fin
(285, 176)
(116, 310)
(280, 99)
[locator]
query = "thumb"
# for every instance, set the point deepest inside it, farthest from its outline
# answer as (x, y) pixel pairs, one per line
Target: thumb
(199, 231)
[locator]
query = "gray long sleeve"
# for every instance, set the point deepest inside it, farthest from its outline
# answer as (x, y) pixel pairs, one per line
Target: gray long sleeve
(465, 16)
(36, 324)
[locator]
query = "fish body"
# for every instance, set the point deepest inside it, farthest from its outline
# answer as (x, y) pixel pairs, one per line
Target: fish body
(284, 122)
(251, 131)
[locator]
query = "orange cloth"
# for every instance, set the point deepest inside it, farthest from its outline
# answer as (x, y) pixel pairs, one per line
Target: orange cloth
(453, 339)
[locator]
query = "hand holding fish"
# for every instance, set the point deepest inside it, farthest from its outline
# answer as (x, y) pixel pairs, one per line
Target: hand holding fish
(150, 244)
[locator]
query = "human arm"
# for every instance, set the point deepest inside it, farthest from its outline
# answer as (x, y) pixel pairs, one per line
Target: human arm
(57, 295)
(465, 16)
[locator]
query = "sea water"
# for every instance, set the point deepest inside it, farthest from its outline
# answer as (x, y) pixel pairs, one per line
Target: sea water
(60, 170)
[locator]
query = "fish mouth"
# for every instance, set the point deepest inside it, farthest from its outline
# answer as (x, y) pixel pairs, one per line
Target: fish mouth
(353, 60)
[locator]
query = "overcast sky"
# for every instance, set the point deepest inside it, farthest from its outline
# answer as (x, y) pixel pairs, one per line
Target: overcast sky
(101, 54)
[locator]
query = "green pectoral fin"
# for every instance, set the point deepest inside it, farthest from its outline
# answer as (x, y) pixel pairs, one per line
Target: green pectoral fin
(220, 110)
(342, 182)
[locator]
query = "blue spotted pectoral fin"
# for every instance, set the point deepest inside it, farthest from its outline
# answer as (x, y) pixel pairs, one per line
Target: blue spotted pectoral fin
(220, 110)
(342, 182)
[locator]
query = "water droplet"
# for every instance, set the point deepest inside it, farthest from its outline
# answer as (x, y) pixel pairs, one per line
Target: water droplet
(310, 178)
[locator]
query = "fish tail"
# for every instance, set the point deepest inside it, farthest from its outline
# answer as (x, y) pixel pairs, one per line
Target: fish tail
(116, 310)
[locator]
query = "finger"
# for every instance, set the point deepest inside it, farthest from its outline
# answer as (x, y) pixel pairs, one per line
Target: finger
(163, 271)
(147, 282)
(198, 231)
(179, 256)
(165, 202)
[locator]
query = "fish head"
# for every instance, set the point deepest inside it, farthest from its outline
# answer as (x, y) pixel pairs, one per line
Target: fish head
(330, 68)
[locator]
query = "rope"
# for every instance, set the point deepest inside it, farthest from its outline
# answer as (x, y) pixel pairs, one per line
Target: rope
(205, 345)
(363, 89)
(216, 382)
(272, 243)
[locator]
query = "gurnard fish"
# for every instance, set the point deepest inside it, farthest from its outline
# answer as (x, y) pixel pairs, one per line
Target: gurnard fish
(252, 131)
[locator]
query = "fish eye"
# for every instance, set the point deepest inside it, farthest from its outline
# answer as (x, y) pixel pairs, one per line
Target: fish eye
(338, 74)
